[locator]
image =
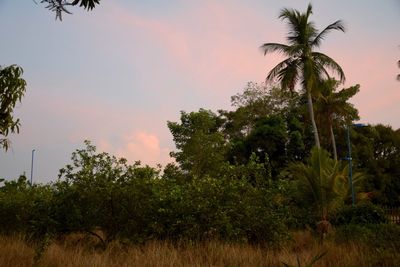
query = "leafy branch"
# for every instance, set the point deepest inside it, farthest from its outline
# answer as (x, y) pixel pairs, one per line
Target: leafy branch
(59, 6)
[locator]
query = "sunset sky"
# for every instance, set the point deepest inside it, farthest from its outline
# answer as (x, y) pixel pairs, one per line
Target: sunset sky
(116, 75)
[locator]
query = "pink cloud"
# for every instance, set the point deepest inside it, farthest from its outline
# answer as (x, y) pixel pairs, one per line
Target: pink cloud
(140, 145)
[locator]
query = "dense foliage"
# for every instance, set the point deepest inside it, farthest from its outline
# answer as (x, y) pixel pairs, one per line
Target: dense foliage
(245, 175)
(135, 203)
(363, 213)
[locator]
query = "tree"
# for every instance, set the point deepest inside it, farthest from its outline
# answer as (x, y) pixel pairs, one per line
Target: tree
(269, 139)
(12, 89)
(332, 107)
(376, 151)
(98, 190)
(255, 102)
(201, 146)
(267, 121)
(303, 64)
(59, 6)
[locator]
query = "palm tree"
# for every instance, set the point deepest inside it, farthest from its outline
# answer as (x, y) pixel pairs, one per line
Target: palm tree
(324, 181)
(303, 64)
(332, 108)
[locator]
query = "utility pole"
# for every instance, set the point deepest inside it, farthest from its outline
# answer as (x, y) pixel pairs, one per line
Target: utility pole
(349, 158)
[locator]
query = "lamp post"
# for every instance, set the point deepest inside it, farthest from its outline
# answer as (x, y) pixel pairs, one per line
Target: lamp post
(359, 125)
(33, 154)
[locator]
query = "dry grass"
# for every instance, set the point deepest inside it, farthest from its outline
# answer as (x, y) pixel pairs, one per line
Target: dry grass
(74, 251)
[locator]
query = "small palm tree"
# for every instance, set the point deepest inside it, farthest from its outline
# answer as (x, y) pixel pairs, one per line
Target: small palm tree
(332, 108)
(303, 64)
(326, 181)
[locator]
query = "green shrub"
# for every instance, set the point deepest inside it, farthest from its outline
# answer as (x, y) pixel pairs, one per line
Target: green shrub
(363, 213)
(15, 206)
(226, 209)
(378, 236)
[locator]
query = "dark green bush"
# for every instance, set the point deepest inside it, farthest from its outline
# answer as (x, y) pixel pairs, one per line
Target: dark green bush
(226, 209)
(363, 213)
(15, 206)
(374, 235)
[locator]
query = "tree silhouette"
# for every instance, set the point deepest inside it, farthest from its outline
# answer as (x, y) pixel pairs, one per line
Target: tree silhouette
(303, 64)
(59, 6)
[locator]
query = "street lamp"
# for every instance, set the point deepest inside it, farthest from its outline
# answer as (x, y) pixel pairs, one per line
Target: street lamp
(33, 154)
(358, 125)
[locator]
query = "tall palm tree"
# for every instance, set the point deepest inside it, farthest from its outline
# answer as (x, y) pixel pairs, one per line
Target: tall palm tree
(332, 107)
(303, 64)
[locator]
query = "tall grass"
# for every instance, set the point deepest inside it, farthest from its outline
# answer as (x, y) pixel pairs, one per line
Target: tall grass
(78, 251)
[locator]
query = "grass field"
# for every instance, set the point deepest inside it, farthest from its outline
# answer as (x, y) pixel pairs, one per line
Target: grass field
(78, 251)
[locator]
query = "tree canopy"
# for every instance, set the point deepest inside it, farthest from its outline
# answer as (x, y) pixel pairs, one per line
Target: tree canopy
(12, 89)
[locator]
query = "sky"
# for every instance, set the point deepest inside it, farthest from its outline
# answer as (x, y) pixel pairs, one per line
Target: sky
(117, 74)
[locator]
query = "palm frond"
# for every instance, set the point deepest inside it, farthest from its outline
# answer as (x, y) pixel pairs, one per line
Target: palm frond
(275, 47)
(289, 76)
(347, 93)
(324, 74)
(309, 10)
(293, 17)
(337, 25)
(289, 14)
(272, 74)
(331, 64)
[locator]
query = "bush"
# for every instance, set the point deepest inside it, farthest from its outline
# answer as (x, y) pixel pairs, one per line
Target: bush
(225, 209)
(363, 213)
(24, 208)
(378, 236)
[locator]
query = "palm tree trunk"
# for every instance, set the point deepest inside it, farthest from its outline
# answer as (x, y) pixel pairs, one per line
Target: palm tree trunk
(333, 141)
(314, 125)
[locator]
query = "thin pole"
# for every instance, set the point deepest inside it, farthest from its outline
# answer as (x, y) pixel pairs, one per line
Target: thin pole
(33, 154)
(353, 197)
